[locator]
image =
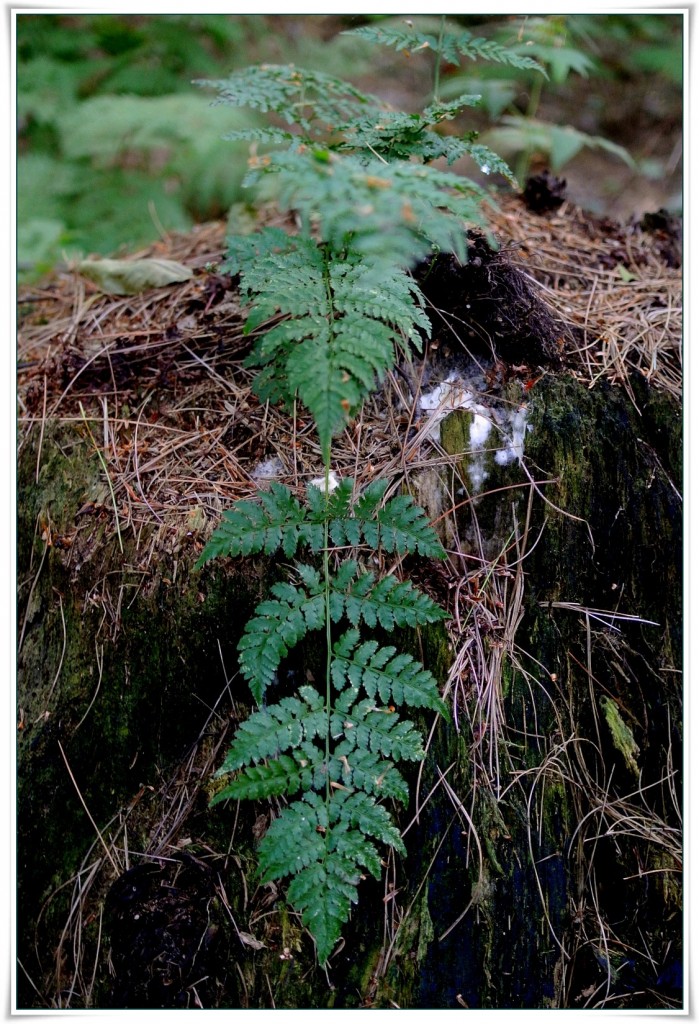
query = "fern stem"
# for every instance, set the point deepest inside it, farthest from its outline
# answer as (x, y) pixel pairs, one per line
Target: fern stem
(328, 639)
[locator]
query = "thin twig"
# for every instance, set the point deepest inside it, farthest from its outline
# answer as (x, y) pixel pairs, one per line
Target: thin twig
(92, 820)
(106, 473)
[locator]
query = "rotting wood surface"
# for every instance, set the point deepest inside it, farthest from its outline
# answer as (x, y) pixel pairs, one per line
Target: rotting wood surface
(543, 869)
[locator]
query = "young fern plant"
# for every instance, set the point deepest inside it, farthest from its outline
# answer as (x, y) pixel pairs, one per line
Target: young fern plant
(328, 307)
(332, 753)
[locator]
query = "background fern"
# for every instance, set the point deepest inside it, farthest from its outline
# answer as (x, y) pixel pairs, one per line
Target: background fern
(450, 46)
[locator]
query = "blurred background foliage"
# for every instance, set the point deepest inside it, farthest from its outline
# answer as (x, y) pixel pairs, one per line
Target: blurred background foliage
(115, 145)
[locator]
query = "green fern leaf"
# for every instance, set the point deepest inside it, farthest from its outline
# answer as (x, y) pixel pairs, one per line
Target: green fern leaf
(244, 250)
(405, 528)
(392, 214)
(274, 629)
(368, 771)
(393, 134)
(278, 342)
(396, 38)
(385, 294)
(304, 769)
(347, 309)
(350, 850)
(327, 861)
(256, 782)
(385, 732)
(275, 520)
(343, 649)
(264, 135)
(396, 136)
(383, 674)
(310, 99)
(295, 839)
(448, 45)
(488, 49)
(286, 276)
(345, 321)
(328, 308)
(488, 161)
(399, 136)
(324, 385)
(370, 499)
(273, 730)
(386, 602)
(362, 811)
(324, 894)
(438, 112)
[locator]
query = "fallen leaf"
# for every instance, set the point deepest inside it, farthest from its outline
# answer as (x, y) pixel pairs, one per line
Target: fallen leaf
(128, 277)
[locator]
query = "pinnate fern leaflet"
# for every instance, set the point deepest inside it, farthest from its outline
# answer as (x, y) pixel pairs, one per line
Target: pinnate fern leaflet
(276, 519)
(449, 45)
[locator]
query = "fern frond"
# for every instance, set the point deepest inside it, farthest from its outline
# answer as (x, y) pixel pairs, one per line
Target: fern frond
(244, 250)
(448, 147)
(362, 524)
(386, 294)
(264, 135)
(386, 601)
(324, 893)
(488, 161)
(438, 112)
(275, 520)
(384, 674)
(273, 730)
(348, 308)
(360, 810)
(287, 276)
(488, 49)
(395, 37)
(448, 45)
(405, 528)
(274, 629)
(390, 213)
(260, 781)
(396, 135)
(383, 732)
(370, 772)
(400, 526)
(309, 99)
(332, 378)
(327, 855)
(295, 839)
(327, 309)
(345, 321)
